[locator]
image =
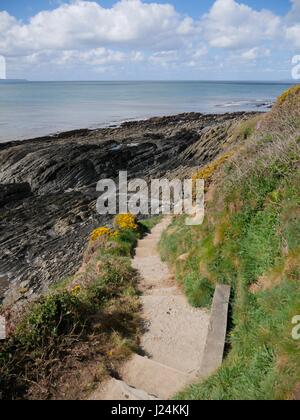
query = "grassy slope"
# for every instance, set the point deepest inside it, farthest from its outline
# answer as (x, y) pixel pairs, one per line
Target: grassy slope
(80, 332)
(250, 240)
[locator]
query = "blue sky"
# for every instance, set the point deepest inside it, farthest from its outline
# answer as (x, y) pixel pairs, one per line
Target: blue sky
(159, 39)
(24, 9)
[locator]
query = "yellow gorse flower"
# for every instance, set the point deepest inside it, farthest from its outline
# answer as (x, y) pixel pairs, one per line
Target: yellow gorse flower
(76, 290)
(207, 171)
(295, 90)
(122, 222)
(126, 221)
(103, 231)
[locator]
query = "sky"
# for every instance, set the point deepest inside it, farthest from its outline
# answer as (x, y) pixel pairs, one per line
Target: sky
(150, 39)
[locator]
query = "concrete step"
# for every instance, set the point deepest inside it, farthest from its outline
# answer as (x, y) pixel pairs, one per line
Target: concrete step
(161, 291)
(147, 243)
(149, 240)
(153, 272)
(156, 232)
(159, 228)
(154, 378)
(155, 236)
(176, 332)
(146, 252)
(119, 391)
(149, 262)
(148, 284)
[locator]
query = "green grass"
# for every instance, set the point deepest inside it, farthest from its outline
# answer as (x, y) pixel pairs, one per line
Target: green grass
(251, 240)
(252, 246)
(252, 371)
(150, 223)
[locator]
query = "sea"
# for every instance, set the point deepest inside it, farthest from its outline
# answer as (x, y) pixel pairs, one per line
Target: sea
(34, 109)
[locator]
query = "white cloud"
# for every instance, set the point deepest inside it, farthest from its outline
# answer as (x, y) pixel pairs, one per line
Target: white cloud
(96, 57)
(6, 22)
(234, 25)
(84, 24)
(292, 30)
(164, 56)
(255, 53)
(199, 52)
(145, 36)
(293, 35)
(187, 27)
(190, 57)
(294, 14)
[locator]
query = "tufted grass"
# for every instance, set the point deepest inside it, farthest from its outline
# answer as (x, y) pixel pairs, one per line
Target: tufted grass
(250, 240)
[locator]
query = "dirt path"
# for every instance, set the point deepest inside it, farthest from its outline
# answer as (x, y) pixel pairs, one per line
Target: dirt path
(175, 335)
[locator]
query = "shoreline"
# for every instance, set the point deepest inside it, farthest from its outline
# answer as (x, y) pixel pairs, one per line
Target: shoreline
(65, 134)
(47, 110)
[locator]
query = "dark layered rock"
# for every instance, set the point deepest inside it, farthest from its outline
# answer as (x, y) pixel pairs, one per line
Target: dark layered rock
(10, 193)
(48, 188)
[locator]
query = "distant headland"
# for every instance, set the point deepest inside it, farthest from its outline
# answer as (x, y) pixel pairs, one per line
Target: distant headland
(12, 81)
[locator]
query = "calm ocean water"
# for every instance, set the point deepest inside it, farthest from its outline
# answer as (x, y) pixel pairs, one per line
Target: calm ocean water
(31, 109)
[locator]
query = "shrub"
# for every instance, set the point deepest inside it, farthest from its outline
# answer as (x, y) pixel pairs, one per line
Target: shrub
(103, 232)
(61, 313)
(209, 170)
(126, 222)
(295, 90)
(97, 305)
(83, 328)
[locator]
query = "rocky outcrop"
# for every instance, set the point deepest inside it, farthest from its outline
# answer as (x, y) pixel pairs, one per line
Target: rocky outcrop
(13, 192)
(48, 193)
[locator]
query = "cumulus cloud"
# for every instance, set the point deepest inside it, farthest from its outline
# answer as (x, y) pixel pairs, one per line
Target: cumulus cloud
(293, 34)
(188, 57)
(255, 53)
(230, 24)
(97, 57)
(165, 57)
(147, 34)
(294, 14)
(292, 30)
(82, 24)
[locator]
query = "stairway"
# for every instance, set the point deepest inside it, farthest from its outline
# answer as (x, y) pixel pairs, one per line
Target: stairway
(175, 334)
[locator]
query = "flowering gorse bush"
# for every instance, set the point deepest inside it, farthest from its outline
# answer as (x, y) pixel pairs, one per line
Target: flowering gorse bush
(103, 232)
(207, 171)
(126, 222)
(295, 90)
(122, 222)
(76, 290)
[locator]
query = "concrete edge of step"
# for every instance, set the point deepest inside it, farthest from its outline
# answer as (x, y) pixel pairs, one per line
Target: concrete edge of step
(217, 332)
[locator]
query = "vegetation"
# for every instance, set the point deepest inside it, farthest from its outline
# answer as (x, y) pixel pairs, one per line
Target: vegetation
(73, 337)
(126, 221)
(251, 240)
(208, 170)
(103, 231)
(287, 95)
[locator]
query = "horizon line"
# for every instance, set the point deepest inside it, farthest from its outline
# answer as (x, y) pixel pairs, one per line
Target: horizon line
(153, 80)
